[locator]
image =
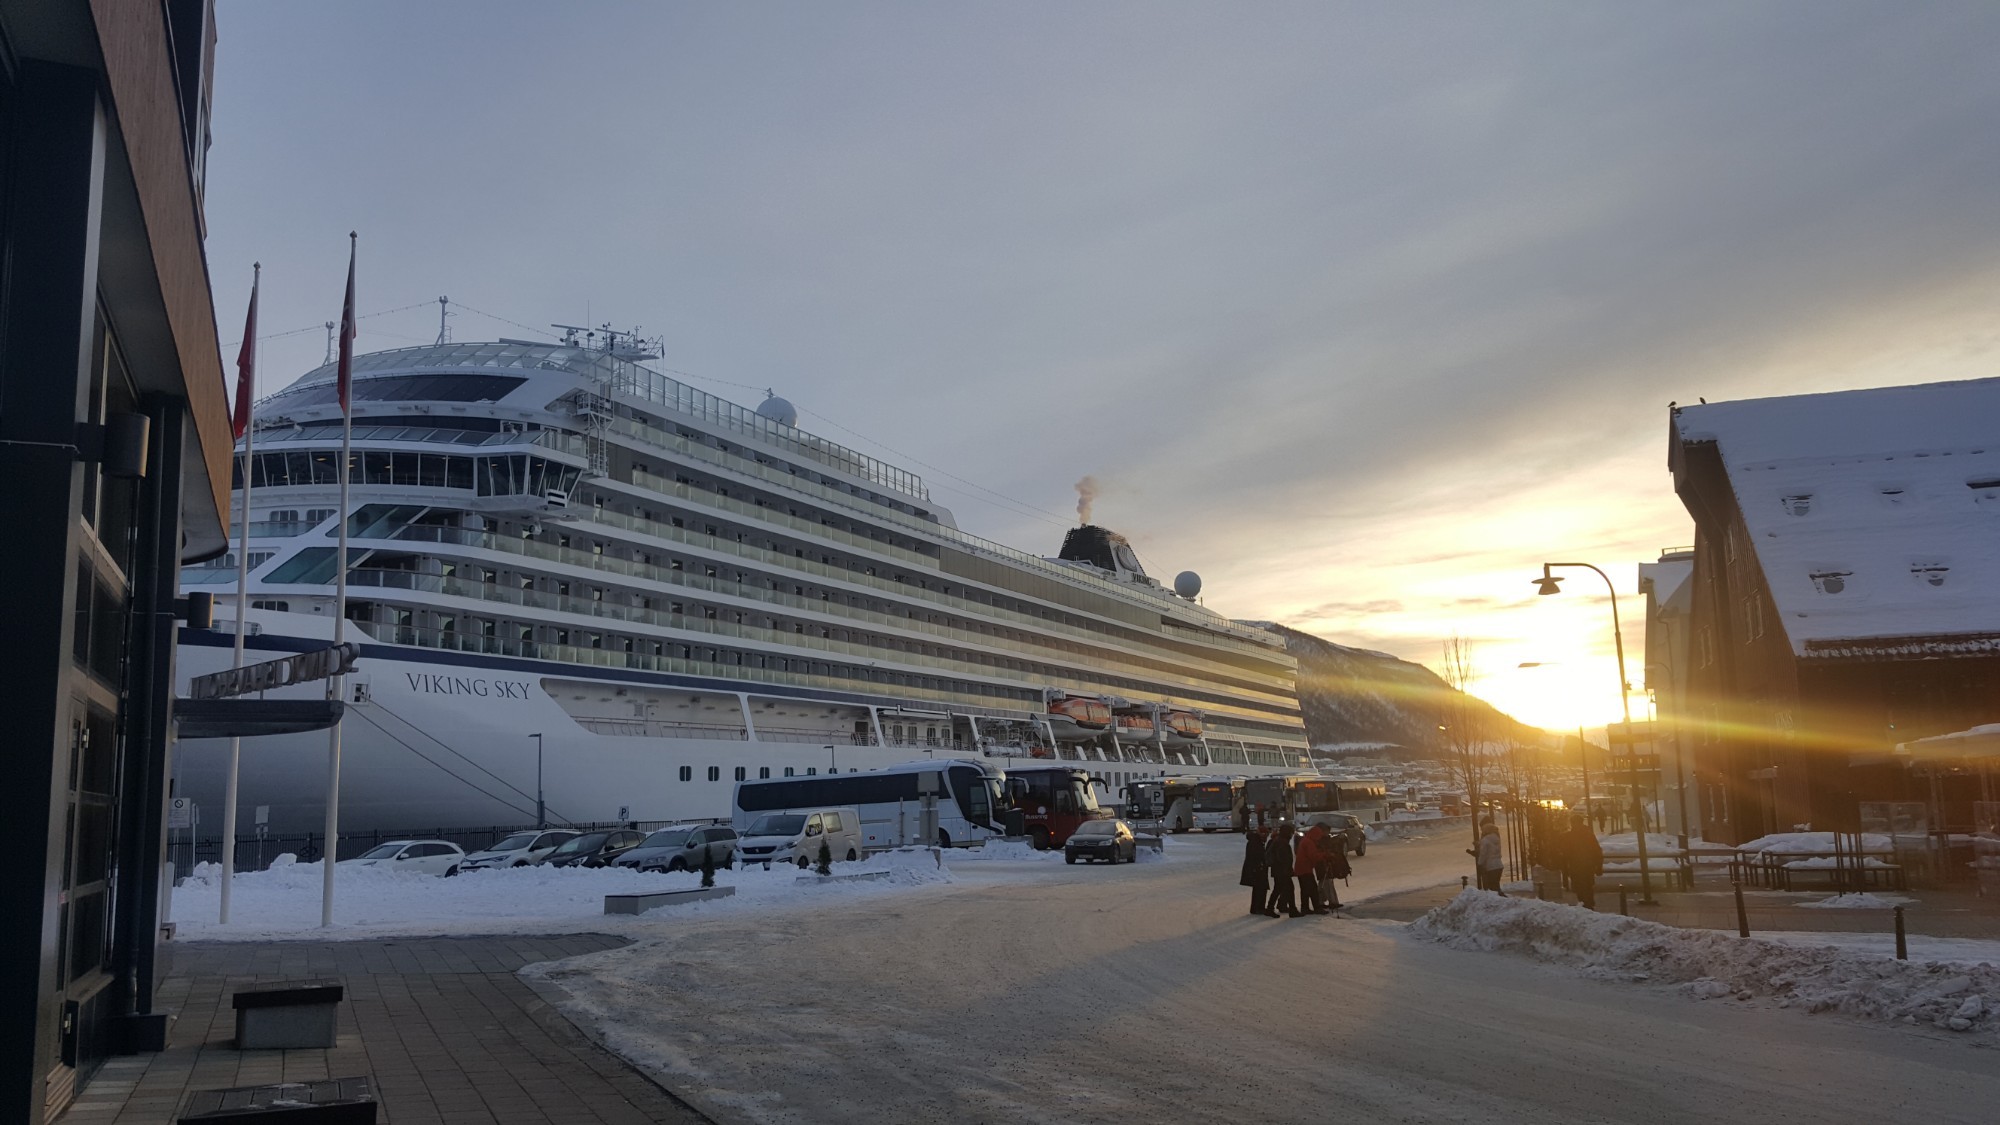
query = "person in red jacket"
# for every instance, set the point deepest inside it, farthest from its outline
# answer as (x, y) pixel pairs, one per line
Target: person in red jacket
(1305, 865)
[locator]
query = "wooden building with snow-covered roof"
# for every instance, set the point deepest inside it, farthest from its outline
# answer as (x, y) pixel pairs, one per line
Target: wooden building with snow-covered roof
(1846, 595)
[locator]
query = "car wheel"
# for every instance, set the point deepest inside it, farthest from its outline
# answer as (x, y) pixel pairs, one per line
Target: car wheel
(450, 871)
(1069, 859)
(1360, 850)
(675, 864)
(520, 863)
(851, 857)
(944, 838)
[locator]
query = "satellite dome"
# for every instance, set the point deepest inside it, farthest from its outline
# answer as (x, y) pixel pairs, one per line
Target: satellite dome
(778, 410)
(1187, 584)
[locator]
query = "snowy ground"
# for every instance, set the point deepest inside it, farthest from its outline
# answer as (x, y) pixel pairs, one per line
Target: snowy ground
(1146, 993)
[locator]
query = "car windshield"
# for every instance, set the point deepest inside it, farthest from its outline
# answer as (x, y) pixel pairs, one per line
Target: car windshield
(1097, 828)
(667, 838)
(589, 843)
(384, 851)
(514, 843)
(777, 825)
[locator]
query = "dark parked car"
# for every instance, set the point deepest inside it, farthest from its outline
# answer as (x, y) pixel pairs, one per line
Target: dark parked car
(1108, 840)
(680, 848)
(1340, 823)
(595, 849)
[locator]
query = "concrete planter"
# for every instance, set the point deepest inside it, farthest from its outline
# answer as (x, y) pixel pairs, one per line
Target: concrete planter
(653, 900)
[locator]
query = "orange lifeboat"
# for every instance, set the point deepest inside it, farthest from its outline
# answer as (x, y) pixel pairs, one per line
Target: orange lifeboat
(1187, 724)
(1092, 713)
(1141, 725)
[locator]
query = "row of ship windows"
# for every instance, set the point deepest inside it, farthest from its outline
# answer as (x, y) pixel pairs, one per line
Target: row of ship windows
(444, 628)
(516, 474)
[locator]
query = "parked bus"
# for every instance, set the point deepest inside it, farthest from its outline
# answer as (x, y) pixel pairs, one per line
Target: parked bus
(1218, 804)
(1052, 801)
(1286, 797)
(970, 804)
(1368, 800)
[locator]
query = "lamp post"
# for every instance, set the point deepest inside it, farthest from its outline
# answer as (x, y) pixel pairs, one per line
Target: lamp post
(541, 814)
(1548, 584)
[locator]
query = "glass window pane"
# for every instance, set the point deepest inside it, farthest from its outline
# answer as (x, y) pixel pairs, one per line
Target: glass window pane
(403, 469)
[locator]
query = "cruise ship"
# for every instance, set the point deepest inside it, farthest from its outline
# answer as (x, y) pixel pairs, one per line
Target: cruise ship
(576, 579)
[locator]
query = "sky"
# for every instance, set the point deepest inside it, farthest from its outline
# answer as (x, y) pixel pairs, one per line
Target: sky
(1360, 311)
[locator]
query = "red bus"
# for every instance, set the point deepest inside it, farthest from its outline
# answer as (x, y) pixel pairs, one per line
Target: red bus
(1052, 801)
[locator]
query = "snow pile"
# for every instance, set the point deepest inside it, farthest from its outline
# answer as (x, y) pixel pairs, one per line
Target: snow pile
(284, 901)
(1017, 849)
(1709, 964)
(1627, 844)
(1859, 902)
(1811, 843)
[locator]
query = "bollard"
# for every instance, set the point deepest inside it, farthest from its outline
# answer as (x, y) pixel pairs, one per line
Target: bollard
(1902, 939)
(1742, 918)
(1463, 882)
(1621, 903)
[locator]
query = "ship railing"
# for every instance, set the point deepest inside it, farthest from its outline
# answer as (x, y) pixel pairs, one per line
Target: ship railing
(649, 728)
(766, 514)
(1271, 689)
(1147, 598)
(774, 638)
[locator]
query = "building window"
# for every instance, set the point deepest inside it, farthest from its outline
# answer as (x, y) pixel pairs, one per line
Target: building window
(1753, 618)
(1704, 646)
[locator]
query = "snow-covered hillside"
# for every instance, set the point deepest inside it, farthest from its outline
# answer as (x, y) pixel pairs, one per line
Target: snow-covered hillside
(1354, 695)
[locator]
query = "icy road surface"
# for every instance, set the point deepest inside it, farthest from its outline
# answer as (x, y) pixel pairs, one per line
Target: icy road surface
(1145, 993)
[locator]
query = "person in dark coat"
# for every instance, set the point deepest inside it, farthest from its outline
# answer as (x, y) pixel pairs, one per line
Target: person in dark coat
(1278, 857)
(1334, 866)
(1583, 861)
(1256, 875)
(1305, 865)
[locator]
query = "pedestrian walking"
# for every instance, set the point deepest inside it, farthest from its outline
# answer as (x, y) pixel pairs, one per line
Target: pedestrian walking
(1256, 875)
(1334, 863)
(1486, 858)
(1583, 861)
(1278, 857)
(1305, 865)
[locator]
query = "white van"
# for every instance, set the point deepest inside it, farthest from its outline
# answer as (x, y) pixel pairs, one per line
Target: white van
(795, 835)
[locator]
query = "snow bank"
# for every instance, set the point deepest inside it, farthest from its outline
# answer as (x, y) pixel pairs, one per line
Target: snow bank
(1806, 843)
(1014, 850)
(1627, 844)
(284, 901)
(1708, 964)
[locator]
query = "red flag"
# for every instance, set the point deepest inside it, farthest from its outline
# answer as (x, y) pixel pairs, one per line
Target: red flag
(246, 362)
(346, 368)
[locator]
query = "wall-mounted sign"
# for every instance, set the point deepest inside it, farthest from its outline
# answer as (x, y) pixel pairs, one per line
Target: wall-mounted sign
(320, 664)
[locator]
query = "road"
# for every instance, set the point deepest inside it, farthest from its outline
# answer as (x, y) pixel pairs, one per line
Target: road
(1146, 993)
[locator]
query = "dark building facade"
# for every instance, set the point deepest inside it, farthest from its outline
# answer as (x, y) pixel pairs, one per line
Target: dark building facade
(1845, 597)
(115, 439)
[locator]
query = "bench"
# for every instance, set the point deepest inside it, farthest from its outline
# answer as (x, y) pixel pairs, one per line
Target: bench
(336, 1101)
(286, 1014)
(1871, 872)
(652, 900)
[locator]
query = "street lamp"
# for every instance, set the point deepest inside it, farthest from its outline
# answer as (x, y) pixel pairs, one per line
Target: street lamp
(1550, 583)
(541, 814)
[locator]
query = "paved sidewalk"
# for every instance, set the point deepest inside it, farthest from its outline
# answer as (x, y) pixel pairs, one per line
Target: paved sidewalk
(449, 1033)
(1712, 906)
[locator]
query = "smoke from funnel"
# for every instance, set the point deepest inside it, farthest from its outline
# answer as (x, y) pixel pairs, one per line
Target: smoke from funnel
(1086, 495)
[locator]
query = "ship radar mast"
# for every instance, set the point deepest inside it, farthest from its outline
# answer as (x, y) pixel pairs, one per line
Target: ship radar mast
(626, 345)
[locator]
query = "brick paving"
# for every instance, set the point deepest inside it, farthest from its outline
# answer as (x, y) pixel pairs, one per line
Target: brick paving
(447, 1030)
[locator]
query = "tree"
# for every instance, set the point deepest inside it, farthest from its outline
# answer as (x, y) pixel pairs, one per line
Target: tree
(1464, 727)
(825, 859)
(707, 867)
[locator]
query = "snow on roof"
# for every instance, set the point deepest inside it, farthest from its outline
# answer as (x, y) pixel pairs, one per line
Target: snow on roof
(1875, 514)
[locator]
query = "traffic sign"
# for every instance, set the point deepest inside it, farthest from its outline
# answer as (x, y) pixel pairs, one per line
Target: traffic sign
(180, 812)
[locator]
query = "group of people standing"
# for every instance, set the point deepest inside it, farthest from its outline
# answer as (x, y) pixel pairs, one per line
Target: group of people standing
(1278, 861)
(1578, 856)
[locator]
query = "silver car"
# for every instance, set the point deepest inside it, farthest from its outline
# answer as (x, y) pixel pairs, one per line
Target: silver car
(522, 849)
(680, 848)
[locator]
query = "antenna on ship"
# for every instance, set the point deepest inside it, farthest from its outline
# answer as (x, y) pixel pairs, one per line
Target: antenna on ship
(329, 342)
(444, 326)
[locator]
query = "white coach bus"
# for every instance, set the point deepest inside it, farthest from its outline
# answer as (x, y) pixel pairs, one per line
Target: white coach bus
(969, 808)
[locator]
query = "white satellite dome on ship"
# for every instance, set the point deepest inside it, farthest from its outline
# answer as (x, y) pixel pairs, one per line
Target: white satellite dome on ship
(778, 410)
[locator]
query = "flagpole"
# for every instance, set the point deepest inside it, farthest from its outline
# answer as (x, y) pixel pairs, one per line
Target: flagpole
(336, 685)
(245, 393)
